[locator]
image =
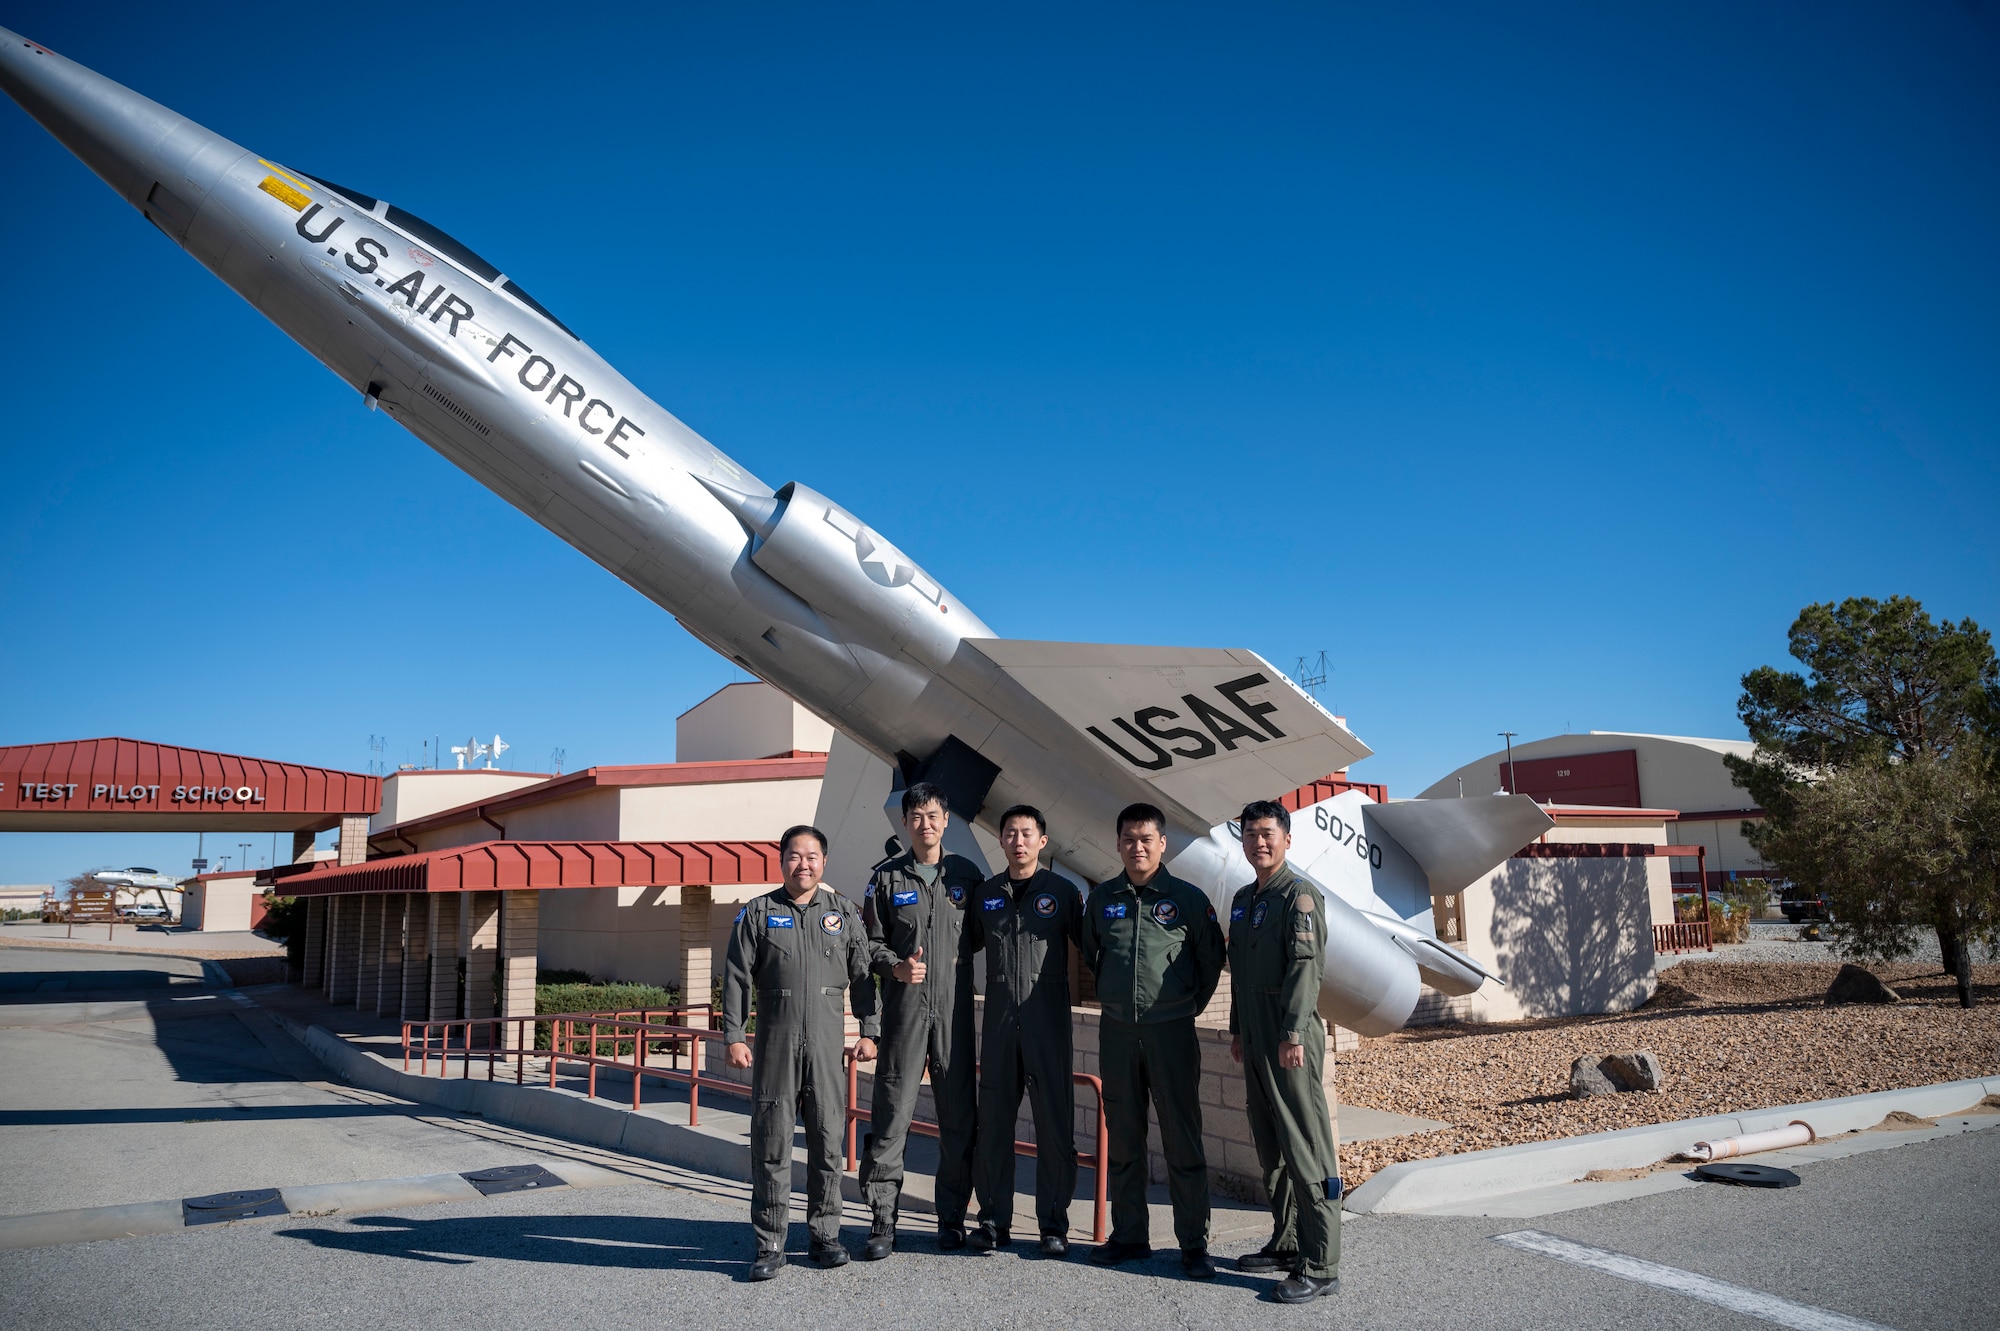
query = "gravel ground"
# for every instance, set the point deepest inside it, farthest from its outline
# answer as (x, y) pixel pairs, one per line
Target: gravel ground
(1731, 1036)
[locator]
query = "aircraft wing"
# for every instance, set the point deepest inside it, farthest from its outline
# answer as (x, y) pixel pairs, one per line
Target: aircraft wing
(1209, 728)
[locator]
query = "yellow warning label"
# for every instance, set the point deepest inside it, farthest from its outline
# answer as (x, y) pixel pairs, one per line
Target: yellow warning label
(284, 193)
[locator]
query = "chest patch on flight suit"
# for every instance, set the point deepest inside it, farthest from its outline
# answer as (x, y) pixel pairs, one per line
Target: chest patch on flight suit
(1166, 912)
(1114, 910)
(903, 898)
(1257, 915)
(779, 922)
(1236, 912)
(831, 922)
(1045, 906)
(993, 903)
(956, 893)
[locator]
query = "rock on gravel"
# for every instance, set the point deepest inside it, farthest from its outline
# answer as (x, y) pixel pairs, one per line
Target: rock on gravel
(1614, 1074)
(1854, 984)
(1738, 1036)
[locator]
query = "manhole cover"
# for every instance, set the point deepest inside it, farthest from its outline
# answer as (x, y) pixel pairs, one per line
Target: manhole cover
(511, 1178)
(1753, 1176)
(221, 1206)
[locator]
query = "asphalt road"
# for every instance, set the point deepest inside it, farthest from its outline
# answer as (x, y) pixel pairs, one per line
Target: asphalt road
(1902, 1238)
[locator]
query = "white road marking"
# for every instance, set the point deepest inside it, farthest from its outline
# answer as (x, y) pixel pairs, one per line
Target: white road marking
(1750, 1302)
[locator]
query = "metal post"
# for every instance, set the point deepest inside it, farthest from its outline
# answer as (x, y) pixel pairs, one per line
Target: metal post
(1513, 786)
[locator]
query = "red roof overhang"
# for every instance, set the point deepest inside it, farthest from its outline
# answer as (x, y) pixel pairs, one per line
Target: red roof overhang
(507, 866)
(131, 785)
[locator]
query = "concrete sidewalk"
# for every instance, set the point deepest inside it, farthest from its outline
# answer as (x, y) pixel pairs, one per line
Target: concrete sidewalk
(366, 1050)
(147, 938)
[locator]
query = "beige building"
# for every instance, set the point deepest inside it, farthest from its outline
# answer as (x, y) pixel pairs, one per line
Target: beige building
(751, 764)
(1570, 923)
(1628, 770)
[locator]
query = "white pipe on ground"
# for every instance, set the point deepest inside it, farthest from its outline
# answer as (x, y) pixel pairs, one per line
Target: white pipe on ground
(1796, 1133)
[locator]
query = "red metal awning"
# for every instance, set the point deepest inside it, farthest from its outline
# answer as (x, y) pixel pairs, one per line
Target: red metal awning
(132, 785)
(506, 866)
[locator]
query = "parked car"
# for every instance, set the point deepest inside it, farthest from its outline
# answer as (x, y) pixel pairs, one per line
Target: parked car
(146, 911)
(1802, 903)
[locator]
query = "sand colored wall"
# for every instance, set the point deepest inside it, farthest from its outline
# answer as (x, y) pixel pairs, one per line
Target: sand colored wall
(741, 721)
(632, 933)
(407, 795)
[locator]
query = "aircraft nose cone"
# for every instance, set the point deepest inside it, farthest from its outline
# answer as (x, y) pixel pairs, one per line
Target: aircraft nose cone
(130, 141)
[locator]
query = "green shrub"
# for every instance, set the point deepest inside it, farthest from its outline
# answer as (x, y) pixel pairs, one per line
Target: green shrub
(596, 996)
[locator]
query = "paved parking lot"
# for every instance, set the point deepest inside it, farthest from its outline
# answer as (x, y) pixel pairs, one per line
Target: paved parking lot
(1902, 1238)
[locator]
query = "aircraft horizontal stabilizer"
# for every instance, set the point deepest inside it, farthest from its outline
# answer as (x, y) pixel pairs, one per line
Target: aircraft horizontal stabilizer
(1458, 841)
(1209, 728)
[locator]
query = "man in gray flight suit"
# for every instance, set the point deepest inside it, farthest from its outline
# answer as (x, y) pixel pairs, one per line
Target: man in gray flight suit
(1026, 918)
(1277, 945)
(799, 949)
(1156, 950)
(915, 915)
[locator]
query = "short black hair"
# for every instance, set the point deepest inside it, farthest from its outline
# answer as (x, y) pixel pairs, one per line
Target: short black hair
(802, 829)
(1025, 811)
(1142, 813)
(917, 796)
(1257, 810)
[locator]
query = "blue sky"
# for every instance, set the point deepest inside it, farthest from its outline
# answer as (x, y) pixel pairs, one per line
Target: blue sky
(1537, 366)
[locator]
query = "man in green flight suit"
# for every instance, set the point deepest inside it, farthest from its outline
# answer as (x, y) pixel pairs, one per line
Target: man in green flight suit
(799, 949)
(1277, 945)
(915, 915)
(1154, 945)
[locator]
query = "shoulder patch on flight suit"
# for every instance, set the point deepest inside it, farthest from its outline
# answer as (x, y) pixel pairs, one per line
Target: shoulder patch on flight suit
(832, 922)
(1303, 903)
(1114, 910)
(908, 898)
(1257, 915)
(955, 892)
(1166, 912)
(1045, 905)
(775, 921)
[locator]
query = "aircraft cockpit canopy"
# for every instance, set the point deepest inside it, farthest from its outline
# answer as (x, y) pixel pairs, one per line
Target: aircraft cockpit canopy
(444, 243)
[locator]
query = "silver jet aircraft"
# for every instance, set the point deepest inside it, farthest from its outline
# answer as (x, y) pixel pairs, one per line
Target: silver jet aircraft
(787, 583)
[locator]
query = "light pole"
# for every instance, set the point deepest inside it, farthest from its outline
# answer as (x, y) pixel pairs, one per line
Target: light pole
(246, 853)
(1512, 787)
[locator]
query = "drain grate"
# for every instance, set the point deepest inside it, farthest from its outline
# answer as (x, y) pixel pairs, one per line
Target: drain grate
(245, 1205)
(512, 1178)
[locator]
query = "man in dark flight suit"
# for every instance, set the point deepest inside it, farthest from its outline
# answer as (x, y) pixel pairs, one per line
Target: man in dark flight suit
(1277, 945)
(1156, 950)
(1026, 918)
(915, 915)
(799, 949)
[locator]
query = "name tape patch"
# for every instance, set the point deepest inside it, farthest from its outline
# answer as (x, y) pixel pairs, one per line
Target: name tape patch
(1114, 910)
(993, 903)
(779, 922)
(908, 898)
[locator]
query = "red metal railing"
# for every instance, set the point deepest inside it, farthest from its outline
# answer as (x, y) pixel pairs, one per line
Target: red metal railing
(579, 1038)
(1685, 936)
(1098, 1164)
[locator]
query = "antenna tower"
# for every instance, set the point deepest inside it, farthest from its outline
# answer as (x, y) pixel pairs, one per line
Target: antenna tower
(1311, 674)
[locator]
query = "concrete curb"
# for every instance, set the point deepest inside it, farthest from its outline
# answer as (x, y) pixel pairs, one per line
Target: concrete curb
(1419, 1185)
(51, 1229)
